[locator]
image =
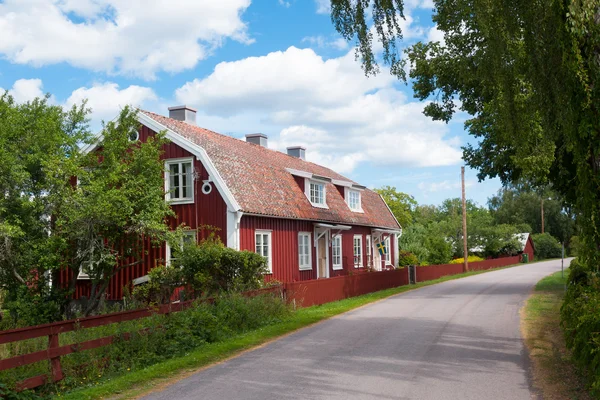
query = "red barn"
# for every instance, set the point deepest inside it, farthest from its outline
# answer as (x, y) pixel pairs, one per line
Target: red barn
(526, 244)
(307, 220)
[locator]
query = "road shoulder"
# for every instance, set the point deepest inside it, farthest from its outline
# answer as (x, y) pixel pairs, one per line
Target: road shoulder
(554, 375)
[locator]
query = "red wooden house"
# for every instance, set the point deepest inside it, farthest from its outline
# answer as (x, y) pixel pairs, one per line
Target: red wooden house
(307, 220)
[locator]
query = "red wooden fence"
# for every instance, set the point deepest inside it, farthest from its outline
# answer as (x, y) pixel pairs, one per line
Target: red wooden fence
(321, 291)
(55, 351)
(304, 293)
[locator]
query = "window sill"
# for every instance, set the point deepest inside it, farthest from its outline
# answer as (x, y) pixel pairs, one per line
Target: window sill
(182, 201)
(319, 205)
(360, 211)
(358, 266)
(306, 268)
(337, 267)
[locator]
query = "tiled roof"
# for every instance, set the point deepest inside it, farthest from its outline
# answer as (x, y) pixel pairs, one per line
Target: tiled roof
(258, 179)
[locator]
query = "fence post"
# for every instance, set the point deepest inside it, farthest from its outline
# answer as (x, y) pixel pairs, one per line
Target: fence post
(57, 372)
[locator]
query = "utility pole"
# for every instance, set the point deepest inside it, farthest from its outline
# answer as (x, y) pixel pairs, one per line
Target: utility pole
(464, 221)
(542, 215)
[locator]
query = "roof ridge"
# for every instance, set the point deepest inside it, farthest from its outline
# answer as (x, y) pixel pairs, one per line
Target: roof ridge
(205, 130)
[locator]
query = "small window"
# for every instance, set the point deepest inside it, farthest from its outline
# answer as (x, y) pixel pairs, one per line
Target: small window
(189, 236)
(353, 200)
(304, 253)
(388, 254)
(336, 249)
(358, 261)
(369, 251)
(316, 193)
(263, 247)
(179, 181)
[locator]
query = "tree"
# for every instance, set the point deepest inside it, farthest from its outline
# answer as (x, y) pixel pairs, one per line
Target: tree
(100, 224)
(527, 74)
(517, 204)
(34, 138)
(117, 210)
(401, 204)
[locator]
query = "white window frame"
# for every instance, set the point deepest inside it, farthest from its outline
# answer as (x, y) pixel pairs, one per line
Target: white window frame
(307, 184)
(369, 251)
(347, 193)
(388, 254)
(340, 265)
(168, 194)
(269, 249)
(305, 266)
(360, 254)
(168, 249)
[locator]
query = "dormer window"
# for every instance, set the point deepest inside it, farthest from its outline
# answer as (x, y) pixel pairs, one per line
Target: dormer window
(353, 199)
(316, 193)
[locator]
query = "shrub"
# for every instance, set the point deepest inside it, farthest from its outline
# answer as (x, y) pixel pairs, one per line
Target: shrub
(160, 287)
(574, 246)
(210, 267)
(546, 246)
(406, 258)
(580, 321)
(469, 259)
(440, 251)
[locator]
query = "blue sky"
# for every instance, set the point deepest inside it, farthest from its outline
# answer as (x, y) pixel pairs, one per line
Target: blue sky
(271, 66)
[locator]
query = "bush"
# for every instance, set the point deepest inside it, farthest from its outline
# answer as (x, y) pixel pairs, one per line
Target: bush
(440, 251)
(160, 287)
(546, 246)
(153, 340)
(210, 267)
(580, 321)
(574, 246)
(469, 259)
(406, 258)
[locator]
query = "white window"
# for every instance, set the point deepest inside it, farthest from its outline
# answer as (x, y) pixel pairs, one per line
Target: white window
(315, 191)
(263, 247)
(388, 254)
(358, 261)
(179, 180)
(336, 249)
(353, 200)
(369, 251)
(189, 236)
(304, 253)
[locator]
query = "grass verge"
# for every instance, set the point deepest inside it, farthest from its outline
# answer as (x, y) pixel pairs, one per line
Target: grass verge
(152, 378)
(554, 375)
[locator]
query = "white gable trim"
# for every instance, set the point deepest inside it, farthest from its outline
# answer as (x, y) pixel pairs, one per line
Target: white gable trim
(199, 152)
(201, 155)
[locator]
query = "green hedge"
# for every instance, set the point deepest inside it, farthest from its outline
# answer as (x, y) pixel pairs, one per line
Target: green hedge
(546, 246)
(580, 320)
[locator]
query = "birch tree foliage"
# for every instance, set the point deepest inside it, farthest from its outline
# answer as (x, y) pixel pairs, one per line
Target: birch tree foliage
(526, 72)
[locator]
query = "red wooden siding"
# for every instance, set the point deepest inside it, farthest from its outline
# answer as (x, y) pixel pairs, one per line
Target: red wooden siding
(284, 247)
(206, 210)
(529, 248)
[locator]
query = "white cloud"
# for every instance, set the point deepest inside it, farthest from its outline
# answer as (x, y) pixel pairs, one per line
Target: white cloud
(25, 90)
(435, 35)
(107, 99)
(284, 3)
(323, 6)
(341, 116)
(323, 42)
(443, 186)
(118, 36)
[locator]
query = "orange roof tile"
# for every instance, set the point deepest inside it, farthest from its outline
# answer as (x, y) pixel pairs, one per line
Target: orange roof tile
(258, 179)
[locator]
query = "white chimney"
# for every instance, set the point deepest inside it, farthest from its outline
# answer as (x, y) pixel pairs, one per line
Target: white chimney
(297, 151)
(183, 113)
(257, 138)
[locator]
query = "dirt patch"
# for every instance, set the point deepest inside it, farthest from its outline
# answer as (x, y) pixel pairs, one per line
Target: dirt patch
(554, 375)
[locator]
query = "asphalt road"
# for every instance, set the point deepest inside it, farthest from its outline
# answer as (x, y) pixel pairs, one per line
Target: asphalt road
(455, 340)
